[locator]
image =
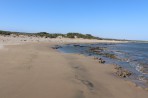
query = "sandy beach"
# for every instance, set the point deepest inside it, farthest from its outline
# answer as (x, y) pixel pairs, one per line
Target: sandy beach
(35, 70)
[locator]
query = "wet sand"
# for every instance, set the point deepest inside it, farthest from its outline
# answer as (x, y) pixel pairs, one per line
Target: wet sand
(38, 71)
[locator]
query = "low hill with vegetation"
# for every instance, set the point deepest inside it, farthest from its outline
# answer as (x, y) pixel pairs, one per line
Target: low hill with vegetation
(55, 35)
(51, 35)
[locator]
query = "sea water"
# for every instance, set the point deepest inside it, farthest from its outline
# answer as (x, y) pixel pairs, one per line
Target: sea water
(131, 56)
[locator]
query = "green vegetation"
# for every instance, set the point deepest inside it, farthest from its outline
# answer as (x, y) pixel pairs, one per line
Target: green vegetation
(51, 35)
(48, 35)
(79, 35)
(5, 32)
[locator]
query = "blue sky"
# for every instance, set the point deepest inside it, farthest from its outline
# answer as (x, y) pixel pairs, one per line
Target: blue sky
(125, 19)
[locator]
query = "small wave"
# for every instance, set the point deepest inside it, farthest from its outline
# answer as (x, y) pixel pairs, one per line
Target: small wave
(142, 69)
(139, 68)
(142, 78)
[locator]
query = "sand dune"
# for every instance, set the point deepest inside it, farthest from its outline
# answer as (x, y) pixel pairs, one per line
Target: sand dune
(12, 40)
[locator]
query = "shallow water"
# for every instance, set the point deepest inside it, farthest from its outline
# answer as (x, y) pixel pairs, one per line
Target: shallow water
(131, 56)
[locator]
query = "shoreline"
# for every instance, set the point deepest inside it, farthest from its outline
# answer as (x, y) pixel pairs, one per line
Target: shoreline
(117, 68)
(35, 73)
(121, 71)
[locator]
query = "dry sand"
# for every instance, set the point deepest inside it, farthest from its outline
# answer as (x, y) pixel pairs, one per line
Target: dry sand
(38, 71)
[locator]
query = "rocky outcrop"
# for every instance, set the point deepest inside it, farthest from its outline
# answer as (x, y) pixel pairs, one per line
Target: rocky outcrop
(121, 72)
(96, 49)
(56, 47)
(101, 51)
(100, 60)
